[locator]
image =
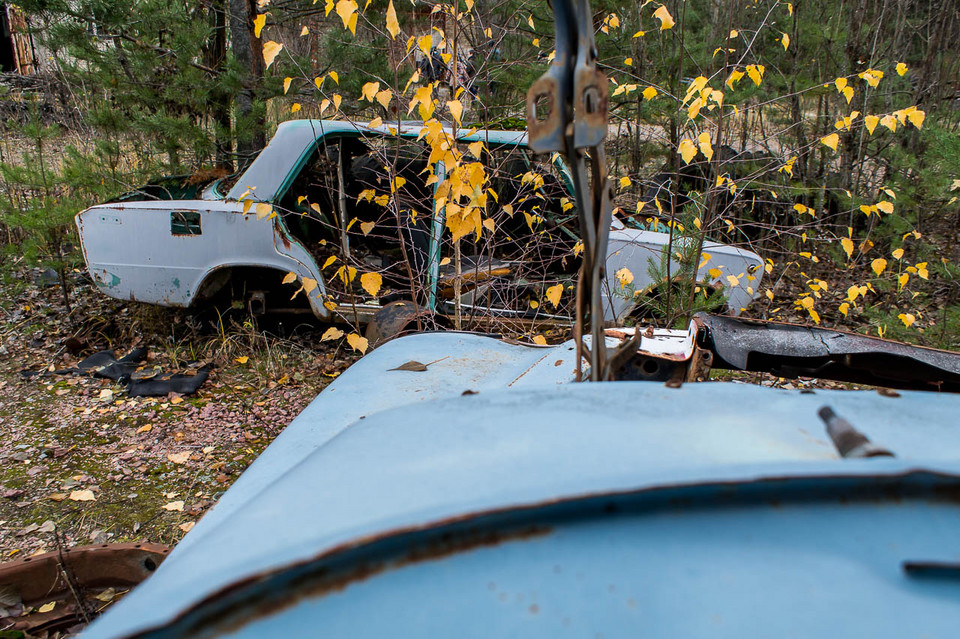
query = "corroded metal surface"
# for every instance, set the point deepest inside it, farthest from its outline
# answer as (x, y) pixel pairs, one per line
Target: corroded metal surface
(789, 350)
(67, 577)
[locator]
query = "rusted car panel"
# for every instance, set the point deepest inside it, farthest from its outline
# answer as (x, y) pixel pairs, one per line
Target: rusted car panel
(790, 350)
(71, 578)
(176, 252)
(137, 251)
(573, 499)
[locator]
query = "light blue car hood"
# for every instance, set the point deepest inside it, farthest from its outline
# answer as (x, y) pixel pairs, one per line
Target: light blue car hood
(381, 450)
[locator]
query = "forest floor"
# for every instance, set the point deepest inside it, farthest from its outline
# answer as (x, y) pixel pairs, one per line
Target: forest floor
(82, 462)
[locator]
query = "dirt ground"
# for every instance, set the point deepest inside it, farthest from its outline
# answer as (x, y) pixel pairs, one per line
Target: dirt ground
(82, 462)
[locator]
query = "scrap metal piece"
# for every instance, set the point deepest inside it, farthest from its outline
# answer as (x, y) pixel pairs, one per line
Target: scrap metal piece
(549, 103)
(659, 355)
(63, 576)
(589, 86)
(789, 350)
(576, 92)
(849, 441)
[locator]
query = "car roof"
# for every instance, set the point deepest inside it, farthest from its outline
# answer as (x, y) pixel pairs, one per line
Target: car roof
(267, 174)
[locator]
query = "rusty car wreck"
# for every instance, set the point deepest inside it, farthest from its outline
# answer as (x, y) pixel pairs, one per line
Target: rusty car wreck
(306, 205)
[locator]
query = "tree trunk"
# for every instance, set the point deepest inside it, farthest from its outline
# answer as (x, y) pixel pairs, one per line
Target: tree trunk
(220, 100)
(248, 52)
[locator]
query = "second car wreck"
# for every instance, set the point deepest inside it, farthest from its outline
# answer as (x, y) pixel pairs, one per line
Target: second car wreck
(314, 203)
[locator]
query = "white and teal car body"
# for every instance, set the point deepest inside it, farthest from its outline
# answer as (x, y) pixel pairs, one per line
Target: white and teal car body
(178, 252)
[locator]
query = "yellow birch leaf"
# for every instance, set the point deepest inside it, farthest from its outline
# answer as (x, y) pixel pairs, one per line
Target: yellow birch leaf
(366, 227)
(831, 140)
(902, 281)
(755, 71)
(346, 10)
(889, 121)
(554, 293)
(304, 31)
(649, 93)
(393, 25)
(82, 495)
(625, 182)
(456, 109)
(179, 458)
(714, 273)
(371, 283)
(898, 254)
(424, 43)
(901, 68)
(295, 107)
(785, 41)
(841, 84)
(705, 147)
(871, 122)
(666, 20)
(733, 281)
(47, 607)
(263, 210)
(540, 339)
(907, 318)
(878, 265)
(258, 24)
(331, 333)
(687, 150)
(308, 284)
(847, 245)
(357, 343)
(384, 97)
(872, 77)
(289, 278)
(374, 123)
(624, 276)
(885, 206)
(334, 76)
(270, 51)
(917, 117)
(844, 308)
(848, 93)
(286, 84)
(336, 101)
(735, 76)
(369, 91)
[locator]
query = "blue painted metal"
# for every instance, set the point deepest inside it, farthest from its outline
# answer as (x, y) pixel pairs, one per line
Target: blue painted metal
(396, 505)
